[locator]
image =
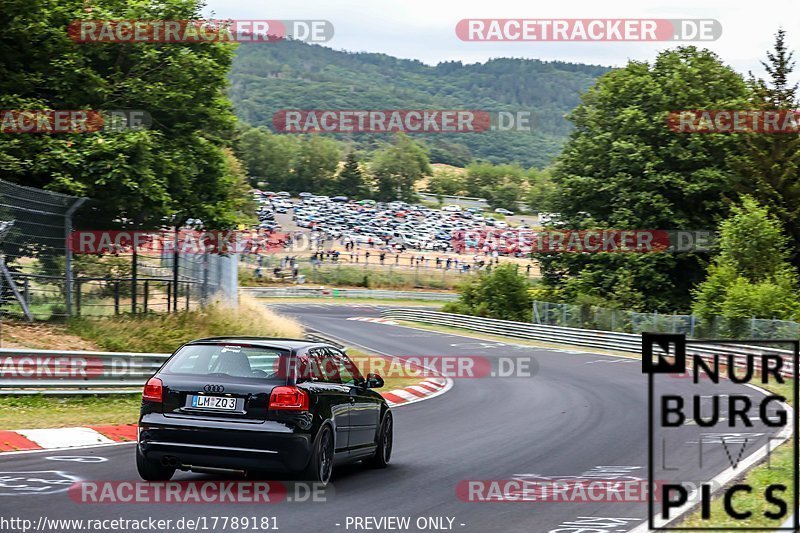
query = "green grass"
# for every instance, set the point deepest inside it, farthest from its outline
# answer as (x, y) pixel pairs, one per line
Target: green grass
(352, 301)
(500, 338)
(373, 277)
(778, 468)
(36, 412)
(164, 332)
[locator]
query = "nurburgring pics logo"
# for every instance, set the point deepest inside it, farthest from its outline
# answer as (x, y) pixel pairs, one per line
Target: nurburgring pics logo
(734, 121)
(591, 30)
(399, 120)
(198, 31)
(718, 419)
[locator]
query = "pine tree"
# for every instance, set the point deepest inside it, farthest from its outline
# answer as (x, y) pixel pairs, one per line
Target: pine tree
(351, 181)
(768, 166)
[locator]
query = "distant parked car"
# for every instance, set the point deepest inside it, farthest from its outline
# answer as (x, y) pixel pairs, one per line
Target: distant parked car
(503, 211)
(452, 208)
(548, 218)
(339, 199)
(284, 194)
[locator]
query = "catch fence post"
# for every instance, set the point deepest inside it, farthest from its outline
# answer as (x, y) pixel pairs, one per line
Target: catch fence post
(68, 253)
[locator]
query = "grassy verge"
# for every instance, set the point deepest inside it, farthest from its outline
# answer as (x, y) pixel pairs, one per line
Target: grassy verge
(350, 301)
(343, 275)
(501, 338)
(163, 333)
(36, 412)
(777, 469)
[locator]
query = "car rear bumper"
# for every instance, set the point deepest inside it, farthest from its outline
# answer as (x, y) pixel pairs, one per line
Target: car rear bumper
(265, 447)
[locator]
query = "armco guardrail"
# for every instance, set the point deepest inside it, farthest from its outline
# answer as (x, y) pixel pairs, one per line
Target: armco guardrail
(605, 340)
(330, 292)
(60, 372)
(25, 371)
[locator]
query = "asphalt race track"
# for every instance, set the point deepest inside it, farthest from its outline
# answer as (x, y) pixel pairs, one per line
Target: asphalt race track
(580, 415)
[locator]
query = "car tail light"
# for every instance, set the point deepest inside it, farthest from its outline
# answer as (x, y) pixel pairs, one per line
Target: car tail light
(153, 390)
(288, 399)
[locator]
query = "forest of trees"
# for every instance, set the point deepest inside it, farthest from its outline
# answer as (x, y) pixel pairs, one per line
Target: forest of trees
(182, 166)
(311, 163)
(392, 171)
(295, 75)
(622, 168)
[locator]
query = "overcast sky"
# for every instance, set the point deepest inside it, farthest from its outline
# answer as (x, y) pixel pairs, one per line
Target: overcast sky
(425, 29)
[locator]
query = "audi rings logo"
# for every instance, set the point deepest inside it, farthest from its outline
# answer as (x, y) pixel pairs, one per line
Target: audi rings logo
(214, 388)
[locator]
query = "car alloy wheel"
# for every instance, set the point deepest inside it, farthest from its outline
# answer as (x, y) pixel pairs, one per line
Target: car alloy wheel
(325, 456)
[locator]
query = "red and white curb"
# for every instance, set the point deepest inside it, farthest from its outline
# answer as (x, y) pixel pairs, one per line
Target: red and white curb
(423, 390)
(374, 320)
(58, 438)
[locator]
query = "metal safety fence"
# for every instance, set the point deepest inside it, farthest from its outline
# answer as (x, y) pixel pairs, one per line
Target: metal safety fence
(620, 320)
(596, 339)
(70, 372)
(42, 277)
(64, 372)
(333, 292)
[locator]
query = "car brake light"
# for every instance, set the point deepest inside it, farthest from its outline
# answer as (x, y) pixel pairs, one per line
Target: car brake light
(152, 390)
(288, 399)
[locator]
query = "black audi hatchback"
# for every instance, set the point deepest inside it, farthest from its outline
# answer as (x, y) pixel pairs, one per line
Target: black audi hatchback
(254, 404)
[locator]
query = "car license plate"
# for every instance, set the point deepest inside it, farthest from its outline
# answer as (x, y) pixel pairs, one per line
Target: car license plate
(214, 402)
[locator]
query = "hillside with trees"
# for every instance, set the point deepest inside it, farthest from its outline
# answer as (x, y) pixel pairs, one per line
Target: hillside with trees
(295, 75)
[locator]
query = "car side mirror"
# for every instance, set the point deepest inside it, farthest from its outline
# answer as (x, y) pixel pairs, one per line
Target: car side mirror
(374, 381)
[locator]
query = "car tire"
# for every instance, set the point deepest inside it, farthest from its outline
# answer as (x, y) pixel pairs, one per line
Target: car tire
(150, 470)
(383, 453)
(320, 466)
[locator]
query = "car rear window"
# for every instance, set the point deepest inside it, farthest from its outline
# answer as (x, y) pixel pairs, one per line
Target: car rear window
(234, 360)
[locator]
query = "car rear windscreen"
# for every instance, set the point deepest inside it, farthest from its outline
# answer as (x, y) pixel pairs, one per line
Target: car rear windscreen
(233, 360)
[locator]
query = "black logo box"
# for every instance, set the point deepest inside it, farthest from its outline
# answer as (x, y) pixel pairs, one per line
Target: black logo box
(671, 359)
